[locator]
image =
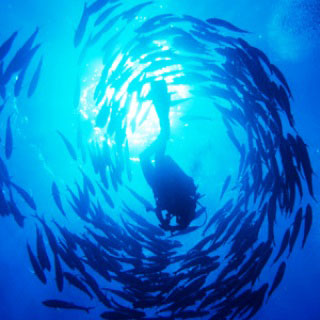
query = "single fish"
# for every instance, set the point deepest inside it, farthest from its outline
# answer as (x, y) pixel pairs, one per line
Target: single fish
(106, 197)
(25, 195)
(87, 183)
(69, 146)
(60, 304)
(1, 70)
(9, 140)
(307, 224)
(82, 26)
(42, 253)
(148, 206)
(3, 93)
(272, 210)
(225, 186)
(50, 236)
(105, 14)
(95, 38)
(35, 79)
(59, 273)
(225, 24)
(5, 209)
(3, 104)
(28, 44)
(6, 46)
(56, 197)
(4, 173)
(18, 84)
(77, 283)
(306, 163)
(278, 278)
(18, 217)
(281, 77)
(296, 229)
(98, 5)
(284, 245)
(22, 57)
(36, 267)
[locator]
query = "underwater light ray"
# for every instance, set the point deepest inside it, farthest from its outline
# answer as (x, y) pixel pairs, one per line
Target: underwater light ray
(253, 99)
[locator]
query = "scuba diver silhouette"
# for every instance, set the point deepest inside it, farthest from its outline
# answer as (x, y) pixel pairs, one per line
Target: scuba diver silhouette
(174, 191)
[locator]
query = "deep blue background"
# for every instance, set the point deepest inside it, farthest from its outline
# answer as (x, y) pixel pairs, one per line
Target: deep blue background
(287, 30)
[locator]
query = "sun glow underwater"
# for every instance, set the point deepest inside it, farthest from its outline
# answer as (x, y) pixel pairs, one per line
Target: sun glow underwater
(231, 136)
(142, 123)
(141, 111)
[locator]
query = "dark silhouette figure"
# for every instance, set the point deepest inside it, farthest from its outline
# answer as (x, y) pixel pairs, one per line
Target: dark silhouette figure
(174, 191)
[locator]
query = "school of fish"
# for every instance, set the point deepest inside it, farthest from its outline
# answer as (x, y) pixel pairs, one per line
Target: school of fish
(133, 267)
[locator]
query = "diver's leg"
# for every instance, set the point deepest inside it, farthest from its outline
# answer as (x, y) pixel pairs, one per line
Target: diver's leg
(162, 105)
(146, 165)
(156, 148)
(161, 101)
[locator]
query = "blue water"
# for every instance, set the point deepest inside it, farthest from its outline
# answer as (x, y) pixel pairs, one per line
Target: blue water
(286, 30)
